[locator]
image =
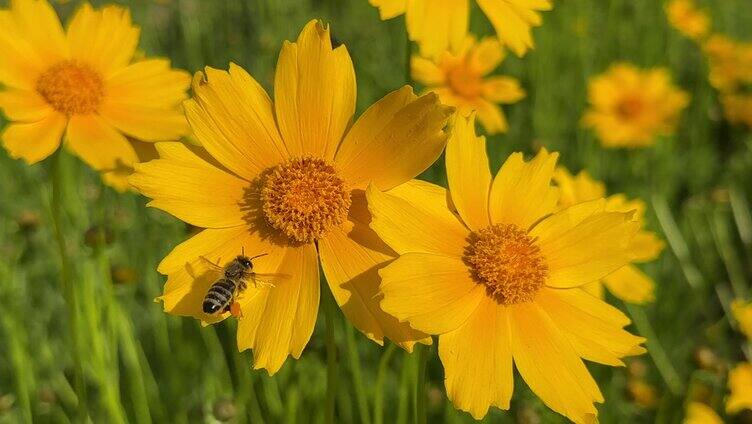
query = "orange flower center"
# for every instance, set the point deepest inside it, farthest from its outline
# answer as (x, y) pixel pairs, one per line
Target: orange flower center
(304, 199)
(71, 87)
(507, 261)
(464, 82)
(630, 107)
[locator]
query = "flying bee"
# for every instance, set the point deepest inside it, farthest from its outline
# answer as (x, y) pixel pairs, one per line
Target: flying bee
(233, 280)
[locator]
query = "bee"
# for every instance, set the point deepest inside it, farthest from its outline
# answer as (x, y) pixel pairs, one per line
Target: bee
(233, 280)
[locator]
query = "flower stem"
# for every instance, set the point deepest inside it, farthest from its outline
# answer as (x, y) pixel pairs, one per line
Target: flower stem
(378, 401)
(355, 370)
(67, 286)
(424, 353)
(408, 56)
(332, 365)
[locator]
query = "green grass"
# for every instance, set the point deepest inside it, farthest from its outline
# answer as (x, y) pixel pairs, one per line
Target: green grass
(137, 364)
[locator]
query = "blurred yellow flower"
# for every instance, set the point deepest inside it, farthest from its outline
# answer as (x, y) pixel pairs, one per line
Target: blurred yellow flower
(461, 80)
(737, 108)
(699, 413)
(439, 25)
(740, 386)
(730, 62)
(688, 19)
(287, 178)
(83, 82)
(494, 269)
(627, 283)
(630, 107)
(743, 315)
(643, 394)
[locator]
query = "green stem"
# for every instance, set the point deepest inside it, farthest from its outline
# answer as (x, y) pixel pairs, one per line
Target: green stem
(354, 362)
(677, 242)
(378, 401)
(656, 351)
(424, 353)
(67, 286)
(408, 57)
(332, 365)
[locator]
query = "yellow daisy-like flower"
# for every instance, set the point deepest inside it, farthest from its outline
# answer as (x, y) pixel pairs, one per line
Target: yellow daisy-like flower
(439, 25)
(743, 315)
(730, 63)
(699, 413)
(740, 386)
(287, 178)
(688, 19)
(494, 269)
(630, 107)
(628, 282)
(737, 108)
(83, 82)
(460, 79)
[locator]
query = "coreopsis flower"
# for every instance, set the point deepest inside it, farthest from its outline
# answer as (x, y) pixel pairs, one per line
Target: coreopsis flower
(493, 269)
(692, 22)
(699, 413)
(461, 79)
(730, 63)
(628, 283)
(287, 179)
(630, 107)
(83, 85)
(740, 386)
(442, 25)
(743, 315)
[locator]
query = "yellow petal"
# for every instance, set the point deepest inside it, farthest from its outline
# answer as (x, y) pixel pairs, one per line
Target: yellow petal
(548, 363)
(37, 23)
(314, 90)
(646, 246)
(593, 327)
(631, 285)
(594, 289)
(492, 117)
(24, 105)
(740, 385)
(426, 72)
(351, 257)
(287, 319)
(105, 39)
(521, 193)
(148, 83)
(477, 359)
(502, 90)
(98, 143)
(187, 187)
(145, 123)
(513, 20)
(389, 9)
(468, 173)
(34, 141)
(396, 139)
(583, 244)
(485, 56)
(699, 413)
(434, 293)
(415, 217)
(21, 64)
(743, 315)
(232, 117)
(437, 25)
(577, 189)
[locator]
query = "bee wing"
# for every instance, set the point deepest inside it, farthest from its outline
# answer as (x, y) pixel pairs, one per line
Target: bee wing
(204, 268)
(268, 280)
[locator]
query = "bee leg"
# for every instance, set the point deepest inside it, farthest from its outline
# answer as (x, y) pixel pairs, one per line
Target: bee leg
(235, 310)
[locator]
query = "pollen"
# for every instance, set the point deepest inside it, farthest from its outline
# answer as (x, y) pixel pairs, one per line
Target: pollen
(630, 107)
(304, 199)
(508, 262)
(71, 87)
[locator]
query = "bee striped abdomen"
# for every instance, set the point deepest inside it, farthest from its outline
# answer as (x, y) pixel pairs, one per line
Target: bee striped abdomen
(219, 296)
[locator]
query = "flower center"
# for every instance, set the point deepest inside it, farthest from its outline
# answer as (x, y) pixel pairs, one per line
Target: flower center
(304, 199)
(71, 87)
(630, 107)
(507, 261)
(464, 82)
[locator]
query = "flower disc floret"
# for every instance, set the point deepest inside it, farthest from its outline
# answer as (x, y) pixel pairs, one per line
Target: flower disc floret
(305, 198)
(71, 87)
(508, 262)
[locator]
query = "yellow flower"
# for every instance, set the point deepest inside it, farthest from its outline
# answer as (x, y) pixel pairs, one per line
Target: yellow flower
(737, 108)
(730, 63)
(439, 25)
(699, 413)
(83, 82)
(631, 107)
(740, 385)
(287, 178)
(627, 283)
(643, 394)
(461, 80)
(688, 19)
(494, 269)
(743, 315)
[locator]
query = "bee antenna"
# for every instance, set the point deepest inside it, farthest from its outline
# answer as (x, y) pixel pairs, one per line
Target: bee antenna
(242, 250)
(258, 256)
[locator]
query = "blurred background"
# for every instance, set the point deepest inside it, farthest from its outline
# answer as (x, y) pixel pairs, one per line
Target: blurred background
(141, 365)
